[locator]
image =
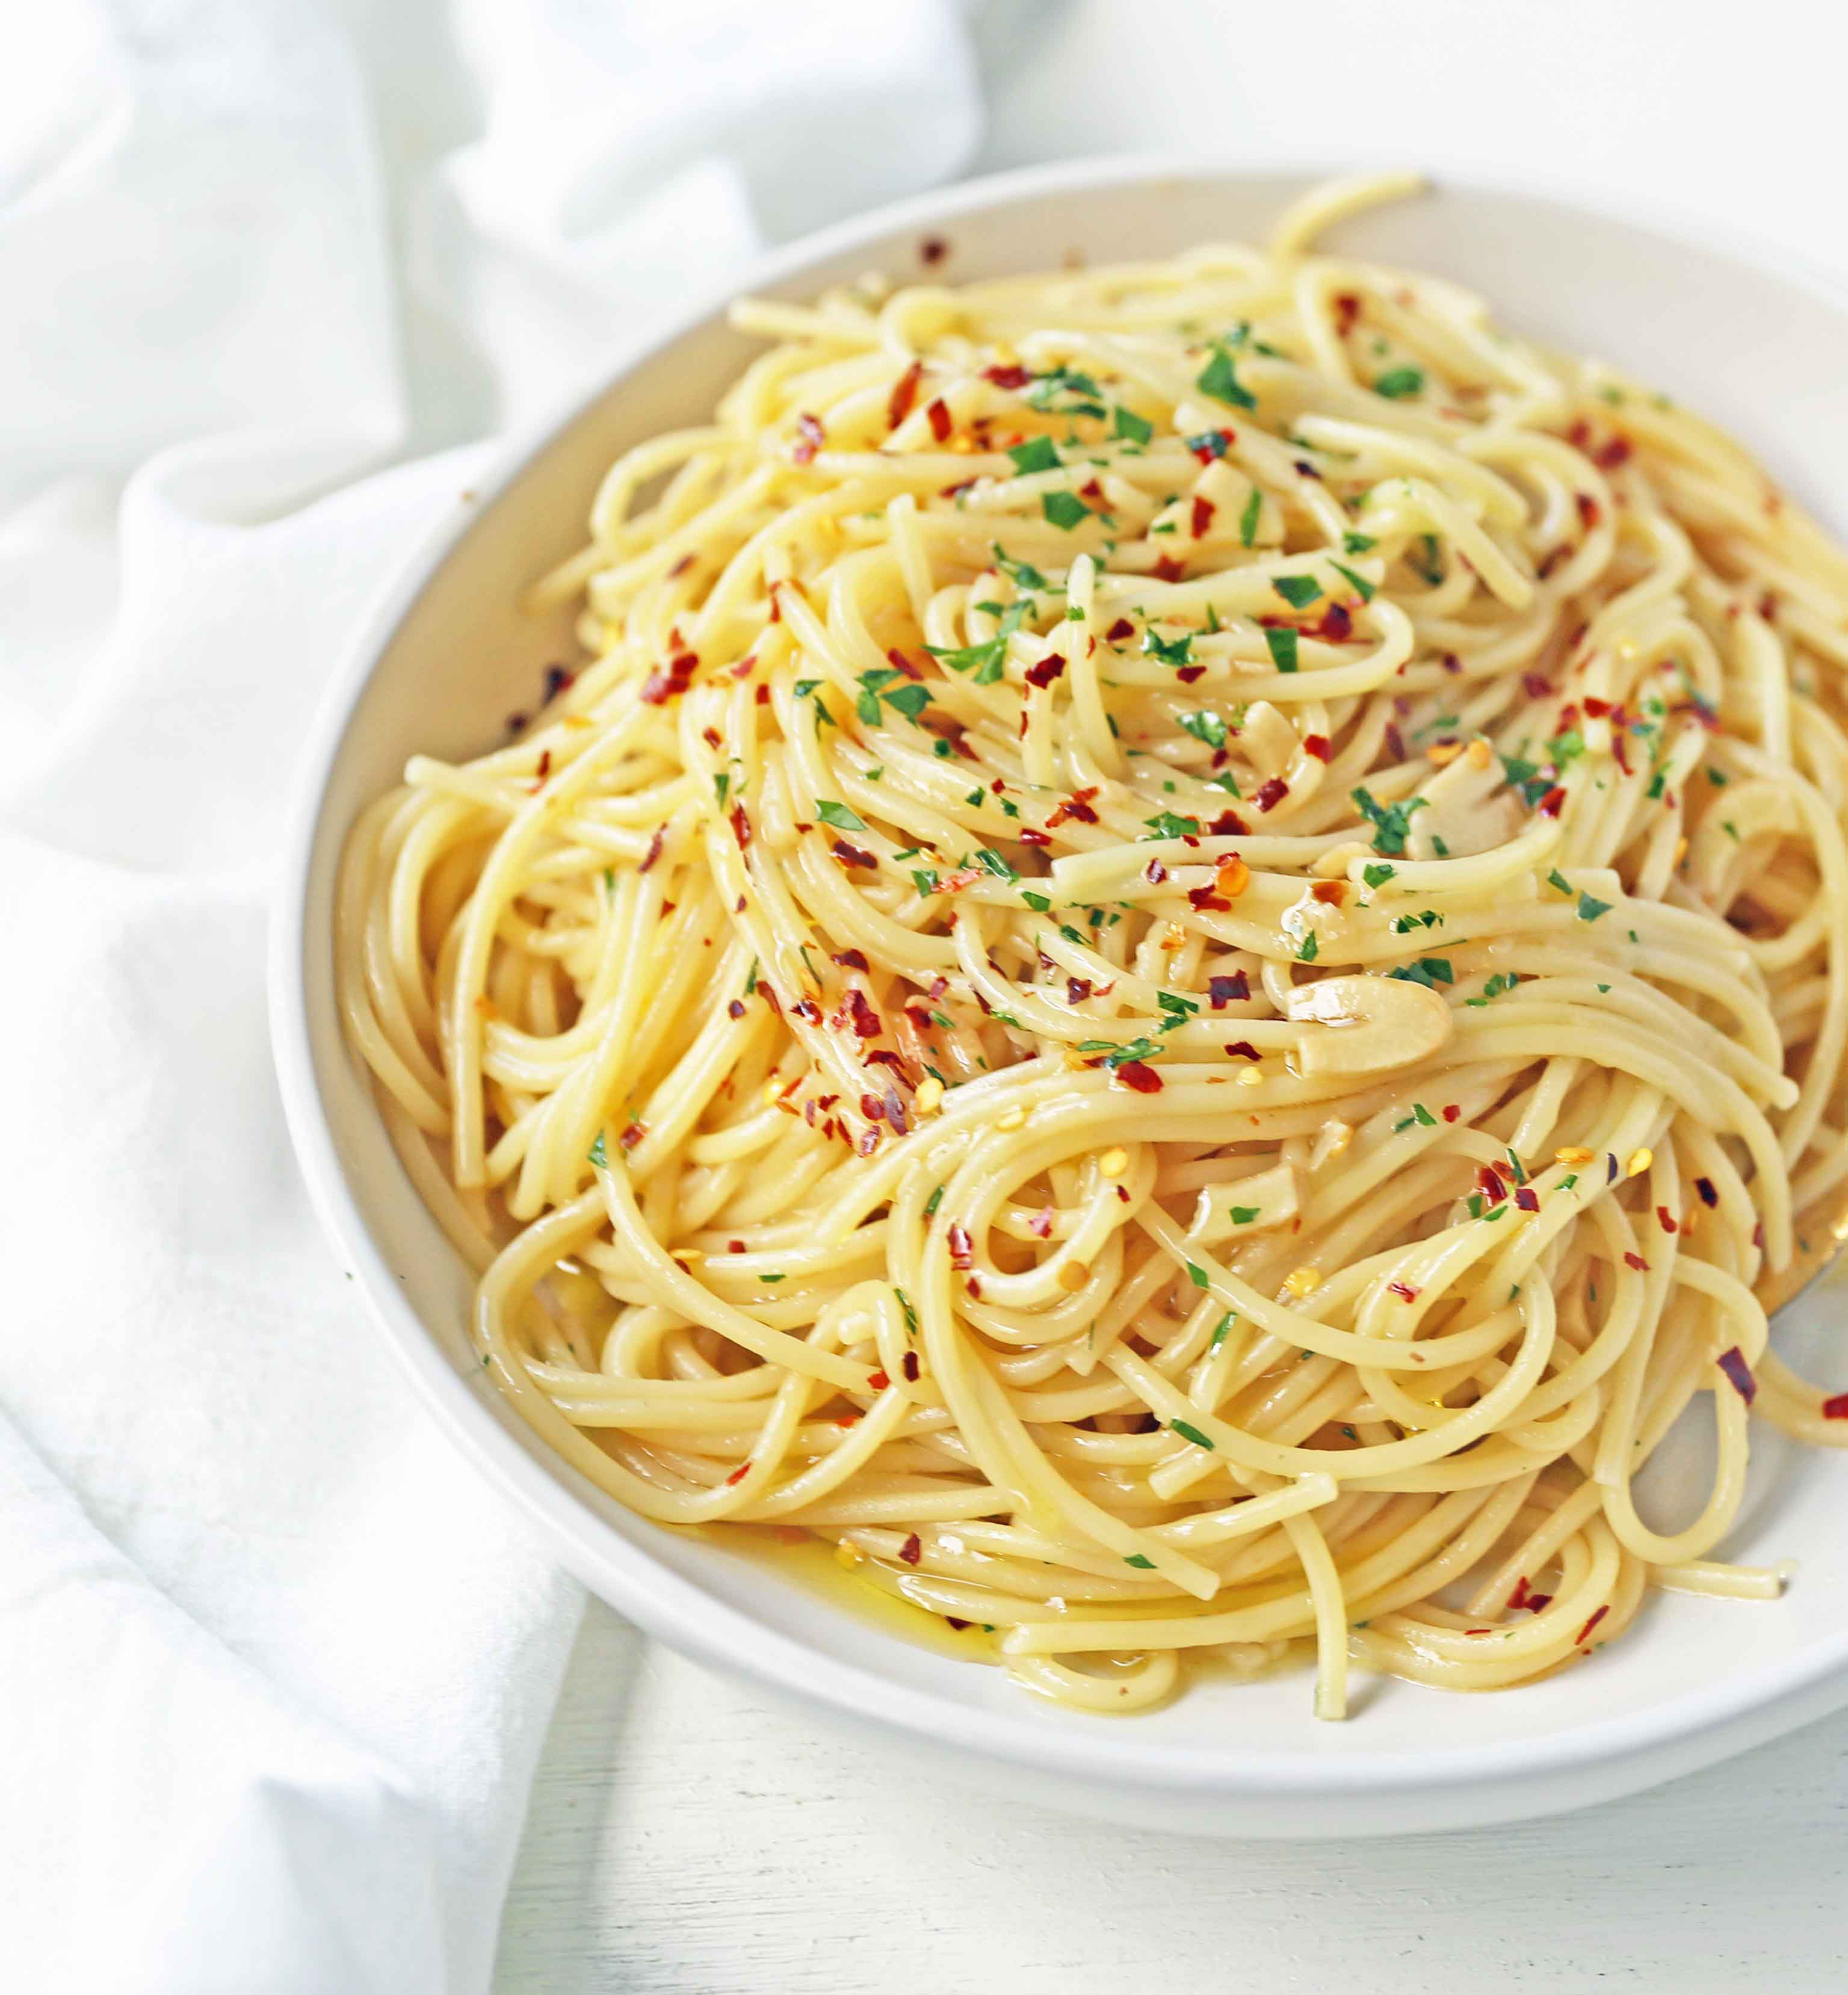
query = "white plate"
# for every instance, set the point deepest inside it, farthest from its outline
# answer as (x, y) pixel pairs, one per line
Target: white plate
(446, 656)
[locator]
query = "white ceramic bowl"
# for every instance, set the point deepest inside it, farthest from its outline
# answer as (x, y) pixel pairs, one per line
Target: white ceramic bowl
(446, 656)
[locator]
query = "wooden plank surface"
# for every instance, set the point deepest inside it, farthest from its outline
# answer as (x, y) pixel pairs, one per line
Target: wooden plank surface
(686, 1839)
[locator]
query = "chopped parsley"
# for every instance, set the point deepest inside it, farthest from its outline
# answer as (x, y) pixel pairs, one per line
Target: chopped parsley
(1248, 520)
(1023, 575)
(1170, 651)
(1205, 725)
(1359, 581)
(599, 1156)
(1590, 909)
(1220, 379)
(1037, 454)
(1167, 824)
(1399, 382)
(986, 659)
(1377, 875)
(1192, 1434)
(1065, 510)
(1390, 821)
(838, 815)
(1130, 427)
(1357, 543)
(1308, 949)
(1196, 1275)
(1281, 643)
(1429, 970)
(1220, 1329)
(1297, 590)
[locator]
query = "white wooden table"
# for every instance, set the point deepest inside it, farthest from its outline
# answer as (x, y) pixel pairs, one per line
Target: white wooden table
(685, 1840)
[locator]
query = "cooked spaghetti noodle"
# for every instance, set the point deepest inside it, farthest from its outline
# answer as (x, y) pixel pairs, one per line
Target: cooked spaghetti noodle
(1177, 971)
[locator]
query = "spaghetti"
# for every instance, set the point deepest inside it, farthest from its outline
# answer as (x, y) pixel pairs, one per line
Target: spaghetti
(1177, 971)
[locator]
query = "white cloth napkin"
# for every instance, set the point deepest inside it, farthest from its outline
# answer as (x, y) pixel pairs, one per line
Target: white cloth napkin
(273, 1667)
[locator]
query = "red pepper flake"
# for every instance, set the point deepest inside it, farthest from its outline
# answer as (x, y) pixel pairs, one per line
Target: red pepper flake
(741, 826)
(1835, 1409)
(1619, 749)
(1451, 662)
(912, 1551)
(973, 1285)
(1011, 376)
(1155, 872)
(1553, 802)
(852, 855)
(1707, 1195)
(736, 1008)
(1537, 1603)
(669, 682)
(933, 249)
(653, 851)
(1586, 1631)
(1048, 669)
(737, 1475)
(1608, 456)
(1122, 629)
(960, 1256)
(809, 437)
(1143, 1078)
(1536, 685)
(866, 1020)
(1758, 1235)
(1169, 569)
(1029, 836)
(908, 1365)
(1520, 1596)
(880, 1056)
(877, 1381)
(867, 1143)
(1188, 673)
(1395, 742)
(1588, 511)
(1346, 310)
(937, 415)
(850, 958)
(1076, 806)
(1527, 1199)
(1403, 1291)
(1077, 990)
(1208, 902)
(1040, 1225)
(905, 392)
(1222, 990)
(1228, 824)
(544, 767)
(1732, 1363)
(1201, 517)
(1337, 624)
(1331, 893)
(1318, 745)
(1548, 561)
(1595, 709)
(1243, 1049)
(1451, 1111)
(1214, 443)
(1668, 1224)
(1273, 793)
(1489, 1184)
(1631, 1260)
(633, 1133)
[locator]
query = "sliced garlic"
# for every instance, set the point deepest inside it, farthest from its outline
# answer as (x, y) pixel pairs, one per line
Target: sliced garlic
(1364, 1024)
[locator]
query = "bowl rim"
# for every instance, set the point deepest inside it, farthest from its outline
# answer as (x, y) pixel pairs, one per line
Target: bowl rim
(677, 1610)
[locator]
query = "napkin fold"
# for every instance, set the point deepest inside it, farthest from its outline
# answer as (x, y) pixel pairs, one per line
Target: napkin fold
(274, 1666)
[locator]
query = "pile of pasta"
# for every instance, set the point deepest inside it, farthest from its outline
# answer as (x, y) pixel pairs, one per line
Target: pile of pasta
(1174, 970)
